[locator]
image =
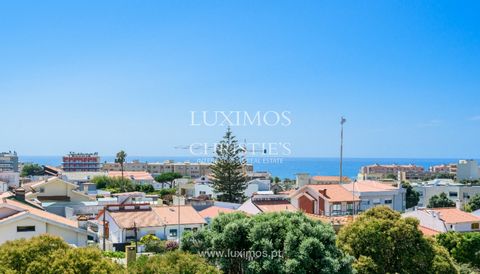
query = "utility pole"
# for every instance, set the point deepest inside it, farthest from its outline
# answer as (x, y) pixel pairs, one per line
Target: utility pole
(136, 239)
(104, 226)
(178, 202)
(342, 121)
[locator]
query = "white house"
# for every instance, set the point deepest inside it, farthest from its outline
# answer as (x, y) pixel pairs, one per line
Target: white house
(467, 170)
(125, 221)
(445, 219)
(3, 187)
(18, 220)
(55, 189)
(374, 193)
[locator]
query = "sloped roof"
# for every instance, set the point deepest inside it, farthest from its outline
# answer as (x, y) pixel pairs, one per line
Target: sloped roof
(454, 215)
(335, 192)
(214, 211)
(5, 200)
(156, 216)
(368, 186)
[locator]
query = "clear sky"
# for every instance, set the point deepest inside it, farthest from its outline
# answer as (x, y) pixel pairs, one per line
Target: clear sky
(110, 75)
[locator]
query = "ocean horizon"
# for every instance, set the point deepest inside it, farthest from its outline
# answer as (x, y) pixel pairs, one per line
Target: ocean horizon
(283, 167)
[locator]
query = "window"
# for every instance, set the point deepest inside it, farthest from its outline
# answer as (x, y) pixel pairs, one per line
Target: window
(203, 192)
(188, 229)
(475, 225)
(387, 202)
(337, 206)
(195, 229)
(172, 233)
(42, 190)
(453, 194)
(25, 228)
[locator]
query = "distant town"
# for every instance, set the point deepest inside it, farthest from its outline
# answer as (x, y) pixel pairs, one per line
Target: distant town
(112, 204)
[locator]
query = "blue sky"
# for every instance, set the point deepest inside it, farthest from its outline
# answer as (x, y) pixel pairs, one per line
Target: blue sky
(109, 75)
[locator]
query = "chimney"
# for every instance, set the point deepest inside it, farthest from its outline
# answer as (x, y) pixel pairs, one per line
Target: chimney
(82, 221)
(85, 188)
(458, 204)
(20, 194)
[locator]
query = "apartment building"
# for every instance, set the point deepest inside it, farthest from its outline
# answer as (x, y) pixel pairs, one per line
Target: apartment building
(73, 162)
(377, 171)
(9, 161)
(135, 165)
(444, 169)
(456, 192)
(467, 170)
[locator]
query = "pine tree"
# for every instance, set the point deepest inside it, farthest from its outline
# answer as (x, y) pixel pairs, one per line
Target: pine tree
(228, 177)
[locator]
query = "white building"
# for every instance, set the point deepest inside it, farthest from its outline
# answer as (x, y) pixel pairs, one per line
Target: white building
(126, 221)
(445, 219)
(373, 193)
(456, 192)
(11, 178)
(21, 220)
(3, 187)
(467, 170)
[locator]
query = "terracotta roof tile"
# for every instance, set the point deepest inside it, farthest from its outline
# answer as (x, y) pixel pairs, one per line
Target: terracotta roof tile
(454, 215)
(335, 193)
(214, 211)
(368, 186)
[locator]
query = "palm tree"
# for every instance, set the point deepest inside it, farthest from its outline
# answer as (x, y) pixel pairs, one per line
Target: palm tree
(121, 157)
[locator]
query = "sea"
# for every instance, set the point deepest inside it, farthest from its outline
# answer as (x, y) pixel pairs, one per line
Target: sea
(277, 166)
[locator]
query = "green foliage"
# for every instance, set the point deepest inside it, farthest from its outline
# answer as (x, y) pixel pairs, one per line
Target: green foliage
(148, 238)
(114, 254)
(228, 178)
(383, 242)
(277, 243)
(440, 201)
(391, 176)
(175, 262)
(119, 184)
(474, 202)
(31, 170)
(412, 197)
(50, 254)
(167, 177)
(464, 247)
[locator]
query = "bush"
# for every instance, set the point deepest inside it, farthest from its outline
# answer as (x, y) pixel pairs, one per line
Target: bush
(114, 254)
(175, 262)
(50, 254)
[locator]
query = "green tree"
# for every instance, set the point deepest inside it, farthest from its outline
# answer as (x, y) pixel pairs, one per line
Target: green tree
(440, 201)
(411, 196)
(228, 178)
(50, 254)
(120, 159)
(118, 184)
(383, 242)
(464, 247)
(31, 170)
(167, 177)
(175, 262)
(283, 242)
(474, 202)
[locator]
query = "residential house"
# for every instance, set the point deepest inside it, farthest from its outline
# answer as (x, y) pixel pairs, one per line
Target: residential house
(303, 179)
(55, 189)
(445, 219)
(22, 219)
(130, 222)
(328, 200)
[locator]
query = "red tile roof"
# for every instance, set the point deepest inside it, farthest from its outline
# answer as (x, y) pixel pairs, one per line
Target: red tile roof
(428, 231)
(368, 186)
(335, 192)
(137, 175)
(214, 211)
(454, 215)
